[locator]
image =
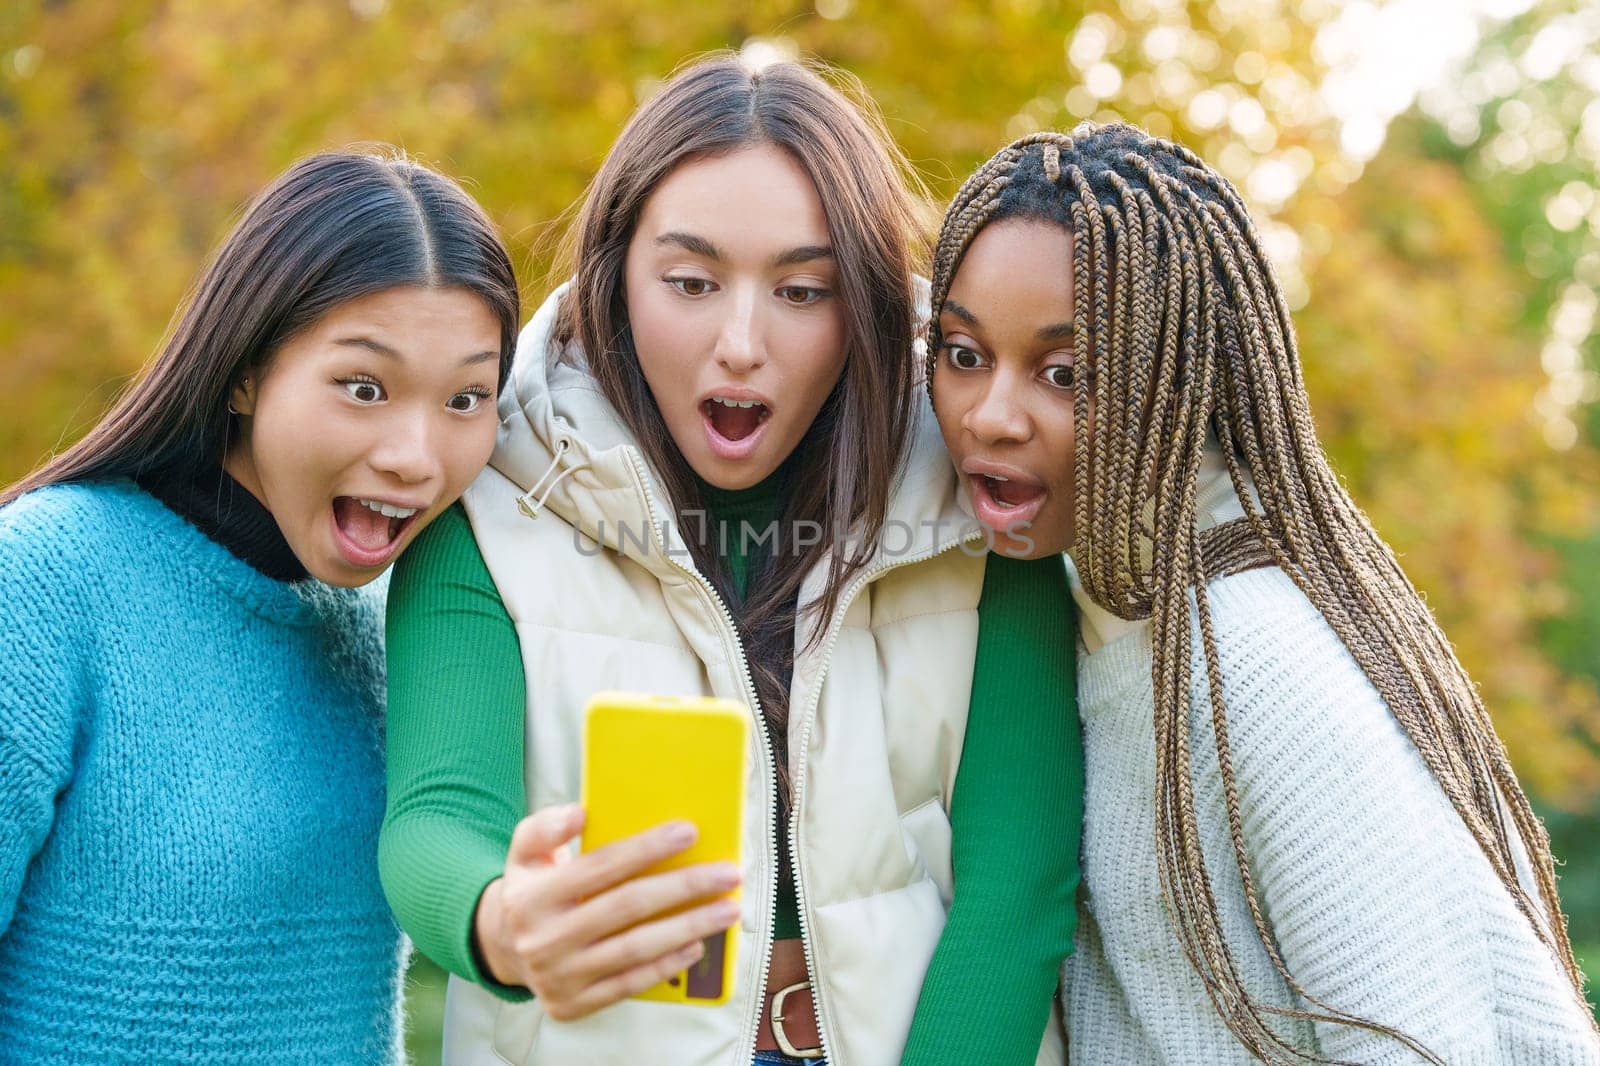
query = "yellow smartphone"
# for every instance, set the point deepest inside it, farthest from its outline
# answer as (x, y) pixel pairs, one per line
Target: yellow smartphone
(653, 759)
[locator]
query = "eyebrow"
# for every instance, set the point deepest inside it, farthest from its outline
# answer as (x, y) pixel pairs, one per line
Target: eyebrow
(689, 242)
(1059, 331)
(379, 348)
(961, 312)
(806, 253)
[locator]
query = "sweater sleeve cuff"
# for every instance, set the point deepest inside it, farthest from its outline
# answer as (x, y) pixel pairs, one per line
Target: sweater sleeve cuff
(466, 960)
(476, 970)
(434, 879)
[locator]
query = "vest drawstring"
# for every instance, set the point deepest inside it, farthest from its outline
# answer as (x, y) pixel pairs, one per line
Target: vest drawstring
(532, 509)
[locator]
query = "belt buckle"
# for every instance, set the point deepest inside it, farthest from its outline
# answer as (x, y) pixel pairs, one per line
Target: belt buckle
(777, 1024)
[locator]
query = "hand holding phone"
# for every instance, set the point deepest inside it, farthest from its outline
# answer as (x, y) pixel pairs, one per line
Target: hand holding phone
(649, 759)
(583, 932)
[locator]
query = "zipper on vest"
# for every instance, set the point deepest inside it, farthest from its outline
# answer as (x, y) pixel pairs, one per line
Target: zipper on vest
(765, 940)
(835, 624)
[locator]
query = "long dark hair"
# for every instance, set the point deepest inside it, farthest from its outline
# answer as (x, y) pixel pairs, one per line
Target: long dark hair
(1183, 336)
(334, 227)
(839, 476)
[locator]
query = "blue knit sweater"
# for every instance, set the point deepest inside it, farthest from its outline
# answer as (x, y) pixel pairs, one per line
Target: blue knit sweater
(191, 785)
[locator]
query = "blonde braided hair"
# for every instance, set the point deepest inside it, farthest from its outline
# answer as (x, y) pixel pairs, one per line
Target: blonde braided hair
(1180, 331)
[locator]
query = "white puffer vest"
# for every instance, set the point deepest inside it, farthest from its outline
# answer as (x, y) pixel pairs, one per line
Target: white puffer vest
(582, 547)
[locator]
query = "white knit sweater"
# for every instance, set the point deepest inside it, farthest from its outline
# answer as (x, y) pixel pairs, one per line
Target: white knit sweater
(1379, 900)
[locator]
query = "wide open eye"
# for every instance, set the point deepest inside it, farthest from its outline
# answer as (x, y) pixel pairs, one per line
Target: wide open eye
(962, 357)
(1060, 375)
(466, 402)
(363, 390)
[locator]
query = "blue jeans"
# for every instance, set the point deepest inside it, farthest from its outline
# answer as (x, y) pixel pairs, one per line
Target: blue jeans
(778, 1058)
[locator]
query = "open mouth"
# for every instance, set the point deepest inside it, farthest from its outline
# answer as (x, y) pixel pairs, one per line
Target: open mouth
(369, 530)
(1009, 494)
(733, 424)
(1005, 504)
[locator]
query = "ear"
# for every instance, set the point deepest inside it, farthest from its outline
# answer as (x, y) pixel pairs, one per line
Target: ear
(242, 398)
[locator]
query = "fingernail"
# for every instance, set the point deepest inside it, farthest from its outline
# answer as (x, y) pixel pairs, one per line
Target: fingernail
(681, 834)
(728, 911)
(727, 875)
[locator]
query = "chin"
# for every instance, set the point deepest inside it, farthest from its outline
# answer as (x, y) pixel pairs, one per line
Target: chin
(347, 580)
(732, 476)
(1031, 542)
(340, 574)
(1015, 547)
(739, 480)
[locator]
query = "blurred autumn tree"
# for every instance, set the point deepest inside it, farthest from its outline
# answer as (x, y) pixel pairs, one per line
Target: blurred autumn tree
(1424, 369)
(1522, 121)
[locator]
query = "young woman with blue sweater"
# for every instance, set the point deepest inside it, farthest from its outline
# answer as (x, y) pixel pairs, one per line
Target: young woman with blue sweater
(1302, 841)
(191, 684)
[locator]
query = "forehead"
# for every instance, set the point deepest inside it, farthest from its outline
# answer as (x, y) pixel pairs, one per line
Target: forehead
(758, 197)
(406, 330)
(1016, 274)
(407, 309)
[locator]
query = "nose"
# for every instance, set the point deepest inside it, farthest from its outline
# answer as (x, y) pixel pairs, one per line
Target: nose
(741, 347)
(1000, 415)
(408, 449)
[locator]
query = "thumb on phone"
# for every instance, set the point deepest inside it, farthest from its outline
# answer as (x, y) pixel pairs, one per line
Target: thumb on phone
(540, 839)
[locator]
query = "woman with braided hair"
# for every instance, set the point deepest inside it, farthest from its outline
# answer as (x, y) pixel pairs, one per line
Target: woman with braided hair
(1339, 864)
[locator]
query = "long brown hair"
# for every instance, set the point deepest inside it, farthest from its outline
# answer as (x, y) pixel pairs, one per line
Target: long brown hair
(840, 474)
(333, 227)
(1181, 333)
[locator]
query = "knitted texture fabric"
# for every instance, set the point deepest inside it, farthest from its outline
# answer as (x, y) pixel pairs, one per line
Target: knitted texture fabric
(1379, 900)
(191, 786)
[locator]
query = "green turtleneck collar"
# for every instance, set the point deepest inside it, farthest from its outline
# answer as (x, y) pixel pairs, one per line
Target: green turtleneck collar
(752, 511)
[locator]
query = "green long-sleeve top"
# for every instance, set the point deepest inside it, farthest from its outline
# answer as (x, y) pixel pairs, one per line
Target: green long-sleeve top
(455, 761)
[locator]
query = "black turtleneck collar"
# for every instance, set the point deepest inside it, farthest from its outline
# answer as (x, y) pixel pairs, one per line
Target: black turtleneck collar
(224, 510)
